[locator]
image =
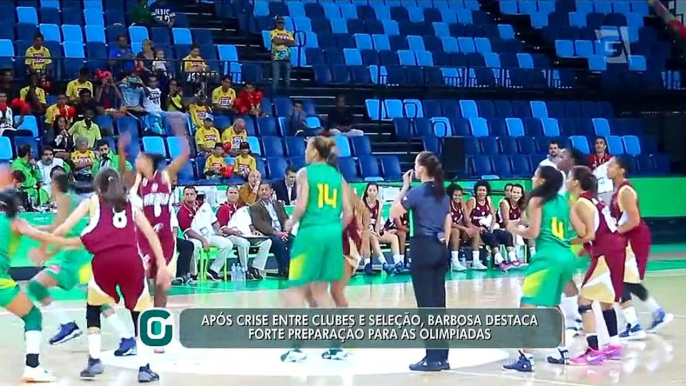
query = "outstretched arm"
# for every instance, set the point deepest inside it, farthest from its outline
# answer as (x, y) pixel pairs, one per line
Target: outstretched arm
(71, 221)
(23, 228)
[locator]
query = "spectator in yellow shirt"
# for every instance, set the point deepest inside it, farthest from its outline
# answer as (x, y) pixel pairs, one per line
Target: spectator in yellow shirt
(76, 85)
(199, 110)
(235, 135)
(223, 97)
(84, 159)
(59, 108)
(244, 162)
(207, 136)
(37, 57)
(282, 40)
(86, 129)
(33, 95)
(215, 162)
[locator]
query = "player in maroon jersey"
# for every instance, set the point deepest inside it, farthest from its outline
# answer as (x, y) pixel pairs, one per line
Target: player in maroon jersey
(482, 215)
(462, 228)
(597, 231)
(625, 210)
(111, 238)
(510, 208)
(376, 236)
(401, 228)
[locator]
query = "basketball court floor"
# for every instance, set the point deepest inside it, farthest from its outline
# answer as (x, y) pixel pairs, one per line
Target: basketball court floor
(660, 360)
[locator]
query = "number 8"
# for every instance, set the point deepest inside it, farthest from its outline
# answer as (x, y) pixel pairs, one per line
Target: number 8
(119, 220)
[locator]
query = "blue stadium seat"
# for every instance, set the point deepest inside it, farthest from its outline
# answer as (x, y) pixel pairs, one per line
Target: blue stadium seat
(615, 145)
(550, 127)
(180, 36)
(343, 146)
(29, 124)
(526, 145)
(632, 145)
(72, 33)
(138, 34)
(273, 146)
(580, 143)
(93, 17)
(255, 147)
(482, 165)
(391, 168)
(266, 126)
(645, 164)
(502, 166)
(276, 167)
(508, 145)
(479, 127)
(369, 168)
(601, 127)
(154, 145)
(295, 146)
(348, 168)
(521, 166)
(361, 146)
(6, 149)
(51, 32)
(515, 127)
(489, 145)
(27, 15)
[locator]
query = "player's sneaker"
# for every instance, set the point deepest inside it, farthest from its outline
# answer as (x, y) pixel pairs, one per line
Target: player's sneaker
(478, 266)
(504, 266)
(523, 364)
(293, 356)
(590, 357)
(634, 332)
(563, 359)
(93, 368)
(660, 319)
(127, 347)
(369, 269)
(37, 375)
(145, 375)
(427, 366)
(335, 354)
(457, 266)
(399, 269)
(66, 333)
(515, 263)
(613, 352)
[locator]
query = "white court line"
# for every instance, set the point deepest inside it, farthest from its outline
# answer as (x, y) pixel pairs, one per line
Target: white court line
(217, 292)
(515, 378)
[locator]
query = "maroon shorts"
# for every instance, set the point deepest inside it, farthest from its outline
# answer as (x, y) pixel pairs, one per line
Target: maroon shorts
(612, 263)
(123, 269)
(168, 248)
(640, 241)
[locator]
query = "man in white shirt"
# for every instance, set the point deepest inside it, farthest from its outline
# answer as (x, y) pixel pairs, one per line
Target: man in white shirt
(200, 226)
(605, 186)
(152, 103)
(46, 164)
(553, 157)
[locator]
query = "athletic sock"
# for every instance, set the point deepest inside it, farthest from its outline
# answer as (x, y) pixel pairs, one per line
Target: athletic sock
(630, 316)
(454, 257)
(94, 343)
(498, 258)
(592, 340)
(33, 341)
(382, 259)
(397, 259)
(116, 323)
(367, 261)
(475, 256)
(652, 305)
(512, 256)
(58, 312)
(610, 317)
(570, 308)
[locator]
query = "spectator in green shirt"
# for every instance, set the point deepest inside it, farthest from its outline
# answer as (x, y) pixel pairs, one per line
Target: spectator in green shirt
(141, 14)
(86, 129)
(107, 158)
(26, 164)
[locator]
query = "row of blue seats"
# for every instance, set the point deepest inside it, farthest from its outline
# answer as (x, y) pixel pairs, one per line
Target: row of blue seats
(68, 5)
(519, 165)
(644, 35)
(87, 17)
(592, 20)
(531, 7)
(513, 127)
(628, 144)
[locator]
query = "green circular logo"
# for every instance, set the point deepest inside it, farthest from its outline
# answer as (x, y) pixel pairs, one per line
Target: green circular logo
(156, 327)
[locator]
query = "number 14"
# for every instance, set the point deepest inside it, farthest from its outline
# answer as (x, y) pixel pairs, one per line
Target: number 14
(326, 196)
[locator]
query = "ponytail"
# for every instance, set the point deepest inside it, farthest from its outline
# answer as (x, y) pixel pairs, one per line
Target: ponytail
(435, 171)
(438, 188)
(110, 187)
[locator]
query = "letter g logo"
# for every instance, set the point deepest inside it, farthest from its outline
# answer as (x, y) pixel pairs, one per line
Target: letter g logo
(156, 327)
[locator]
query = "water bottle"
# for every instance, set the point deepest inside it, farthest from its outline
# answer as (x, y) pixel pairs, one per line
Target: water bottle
(233, 272)
(242, 274)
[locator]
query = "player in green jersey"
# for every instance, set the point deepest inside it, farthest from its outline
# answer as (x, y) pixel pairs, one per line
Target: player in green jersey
(552, 267)
(68, 268)
(322, 210)
(12, 298)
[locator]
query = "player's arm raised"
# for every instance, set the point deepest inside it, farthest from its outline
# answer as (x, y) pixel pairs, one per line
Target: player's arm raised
(581, 217)
(177, 163)
(303, 195)
(629, 202)
(535, 215)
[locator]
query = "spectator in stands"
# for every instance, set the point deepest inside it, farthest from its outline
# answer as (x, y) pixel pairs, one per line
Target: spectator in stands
(341, 119)
(163, 13)
(600, 155)
(223, 98)
(63, 142)
(86, 129)
(199, 110)
(7, 121)
(297, 121)
(59, 108)
(244, 163)
(132, 92)
(247, 194)
(121, 58)
(46, 165)
(215, 162)
(269, 218)
(152, 102)
(282, 41)
(207, 136)
(8, 85)
(200, 226)
(175, 100)
(249, 101)
(186, 265)
(598, 162)
(141, 14)
(286, 189)
(160, 66)
(553, 157)
(82, 82)
(85, 103)
(235, 135)
(37, 57)
(195, 67)
(106, 158)
(33, 95)
(26, 164)
(234, 227)
(145, 58)
(18, 180)
(84, 159)
(108, 95)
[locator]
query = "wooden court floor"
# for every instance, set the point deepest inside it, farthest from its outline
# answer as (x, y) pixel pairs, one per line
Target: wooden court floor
(660, 360)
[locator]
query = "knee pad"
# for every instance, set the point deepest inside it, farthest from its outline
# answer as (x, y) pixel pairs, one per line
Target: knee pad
(639, 290)
(93, 316)
(626, 294)
(37, 290)
(33, 320)
(585, 308)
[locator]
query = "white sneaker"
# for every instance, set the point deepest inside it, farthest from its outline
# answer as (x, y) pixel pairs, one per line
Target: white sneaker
(478, 265)
(37, 375)
(457, 266)
(293, 356)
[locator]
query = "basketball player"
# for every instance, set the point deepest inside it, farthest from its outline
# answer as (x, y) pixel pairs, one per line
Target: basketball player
(597, 231)
(322, 205)
(12, 298)
(624, 208)
(67, 269)
(111, 238)
(510, 209)
(461, 228)
(376, 235)
(399, 227)
(482, 216)
(553, 265)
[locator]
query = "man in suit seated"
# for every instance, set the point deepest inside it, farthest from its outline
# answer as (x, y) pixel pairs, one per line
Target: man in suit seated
(285, 189)
(269, 218)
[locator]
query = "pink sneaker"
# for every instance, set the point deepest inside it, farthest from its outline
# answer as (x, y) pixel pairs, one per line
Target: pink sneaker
(516, 264)
(504, 266)
(613, 352)
(590, 357)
